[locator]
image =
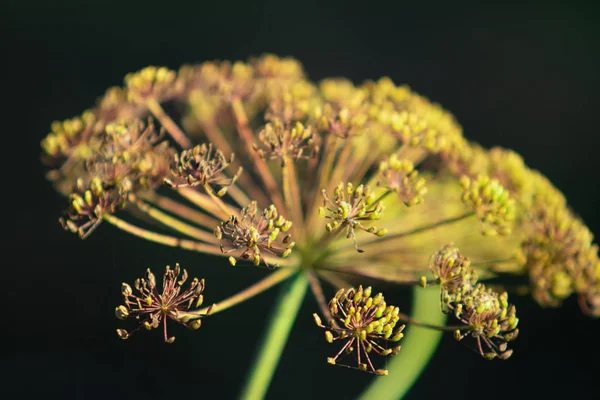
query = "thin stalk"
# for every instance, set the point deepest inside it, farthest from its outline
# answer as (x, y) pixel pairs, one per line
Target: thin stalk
(443, 328)
(238, 195)
(222, 206)
(291, 193)
(166, 121)
(216, 136)
(172, 241)
(160, 238)
(380, 198)
(266, 283)
(279, 328)
(317, 290)
(426, 227)
(202, 201)
(181, 211)
(323, 173)
(379, 240)
(341, 165)
(418, 347)
(176, 224)
(259, 163)
(334, 280)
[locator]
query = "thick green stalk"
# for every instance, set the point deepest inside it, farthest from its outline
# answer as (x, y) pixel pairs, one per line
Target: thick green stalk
(282, 320)
(418, 347)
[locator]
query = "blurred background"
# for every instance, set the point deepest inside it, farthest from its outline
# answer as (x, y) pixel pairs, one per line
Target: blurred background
(523, 77)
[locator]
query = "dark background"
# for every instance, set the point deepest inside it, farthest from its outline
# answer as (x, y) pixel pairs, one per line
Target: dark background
(523, 77)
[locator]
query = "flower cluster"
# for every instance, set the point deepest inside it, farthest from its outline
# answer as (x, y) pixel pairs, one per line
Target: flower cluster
(453, 273)
(130, 160)
(202, 165)
(490, 202)
(561, 259)
(401, 177)
(287, 143)
(150, 307)
(365, 323)
(251, 233)
(309, 150)
(487, 316)
(350, 208)
(490, 320)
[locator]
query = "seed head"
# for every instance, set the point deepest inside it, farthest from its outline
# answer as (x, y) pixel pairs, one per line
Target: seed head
(252, 234)
(284, 142)
(559, 256)
(401, 177)
(490, 202)
(88, 204)
(151, 82)
(150, 307)
(350, 209)
(367, 325)
(201, 165)
(454, 274)
(491, 320)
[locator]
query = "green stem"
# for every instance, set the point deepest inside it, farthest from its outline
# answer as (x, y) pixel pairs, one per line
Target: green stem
(418, 347)
(275, 338)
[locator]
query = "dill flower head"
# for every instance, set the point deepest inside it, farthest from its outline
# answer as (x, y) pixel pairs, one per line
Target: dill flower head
(331, 182)
(350, 209)
(202, 165)
(151, 308)
(250, 233)
(363, 323)
(453, 273)
(491, 321)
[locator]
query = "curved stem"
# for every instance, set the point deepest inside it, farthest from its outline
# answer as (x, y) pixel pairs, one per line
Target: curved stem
(187, 213)
(418, 347)
(222, 206)
(166, 121)
(266, 283)
(317, 290)
(274, 340)
(160, 238)
(291, 193)
(259, 164)
(176, 224)
(387, 238)
(443, 328)
(202, 201)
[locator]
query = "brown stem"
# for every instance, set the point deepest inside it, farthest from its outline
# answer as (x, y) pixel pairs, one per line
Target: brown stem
(166, 121)
(260, 165)
(317, 290)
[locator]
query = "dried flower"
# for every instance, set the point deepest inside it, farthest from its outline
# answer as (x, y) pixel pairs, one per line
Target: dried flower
(87, 206)
(150, 307)
(287, 143)
(453, 273)
(491, 320)
(203, 166)
(366, 323)
(128, 161)
(253, 233)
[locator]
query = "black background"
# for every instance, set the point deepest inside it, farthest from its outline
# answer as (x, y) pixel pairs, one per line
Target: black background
(523, 77)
